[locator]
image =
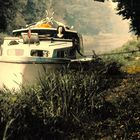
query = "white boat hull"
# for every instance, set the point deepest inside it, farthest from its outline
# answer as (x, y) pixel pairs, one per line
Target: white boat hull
(14, 74)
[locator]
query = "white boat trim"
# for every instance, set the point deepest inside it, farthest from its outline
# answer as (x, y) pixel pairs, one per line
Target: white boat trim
(36, 60)
(54, 29)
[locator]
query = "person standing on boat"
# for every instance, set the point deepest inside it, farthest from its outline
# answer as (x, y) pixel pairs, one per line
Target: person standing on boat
(60, 32)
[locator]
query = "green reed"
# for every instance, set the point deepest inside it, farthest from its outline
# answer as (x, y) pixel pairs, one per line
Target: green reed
(67, 105)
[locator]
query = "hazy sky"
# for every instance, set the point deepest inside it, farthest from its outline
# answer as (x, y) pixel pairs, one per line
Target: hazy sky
(89, 15)
(102, 29)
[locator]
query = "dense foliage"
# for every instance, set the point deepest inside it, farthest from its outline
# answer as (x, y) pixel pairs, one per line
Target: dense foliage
(7, 13)
(17, 13)
(130, 9)
(74, 105)
(127, 55)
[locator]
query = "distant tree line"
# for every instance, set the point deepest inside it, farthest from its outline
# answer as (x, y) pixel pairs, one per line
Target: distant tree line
(18, 13)
(23, 12)
(7, 13)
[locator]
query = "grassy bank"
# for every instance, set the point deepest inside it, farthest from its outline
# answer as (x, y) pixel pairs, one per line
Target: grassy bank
(128, 56)
(101, 103)
(126, 59)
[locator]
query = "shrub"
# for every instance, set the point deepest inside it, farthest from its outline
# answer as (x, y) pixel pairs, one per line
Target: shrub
(72, 105)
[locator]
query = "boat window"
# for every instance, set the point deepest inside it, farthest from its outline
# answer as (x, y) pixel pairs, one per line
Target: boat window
(39, 53)
(13, 42)
(15, 52)
(61, 53)
(67, 53)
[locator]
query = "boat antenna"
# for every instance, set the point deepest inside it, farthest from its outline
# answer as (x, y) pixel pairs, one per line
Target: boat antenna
(48, 18)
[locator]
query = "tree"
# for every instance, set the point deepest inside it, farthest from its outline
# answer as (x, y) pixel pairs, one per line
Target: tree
(7, 13)
(17, 13)
(130, 9)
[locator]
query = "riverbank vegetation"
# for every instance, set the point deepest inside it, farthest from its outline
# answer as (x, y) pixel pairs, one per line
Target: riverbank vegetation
(128, 56)
(101, 103)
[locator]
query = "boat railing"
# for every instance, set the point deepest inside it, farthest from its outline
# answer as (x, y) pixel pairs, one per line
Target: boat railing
(60, 39)
(53, 39)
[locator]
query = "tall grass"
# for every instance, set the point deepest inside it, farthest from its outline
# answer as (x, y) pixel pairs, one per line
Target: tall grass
(65, 105)
(126, 59)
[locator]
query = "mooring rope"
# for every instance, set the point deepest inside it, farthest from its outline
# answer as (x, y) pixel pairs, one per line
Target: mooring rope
(117, 53)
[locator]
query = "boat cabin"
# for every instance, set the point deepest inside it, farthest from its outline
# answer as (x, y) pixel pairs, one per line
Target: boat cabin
(41, 43)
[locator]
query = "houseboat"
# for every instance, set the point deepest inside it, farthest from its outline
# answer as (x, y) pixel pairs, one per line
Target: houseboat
(36, 50)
